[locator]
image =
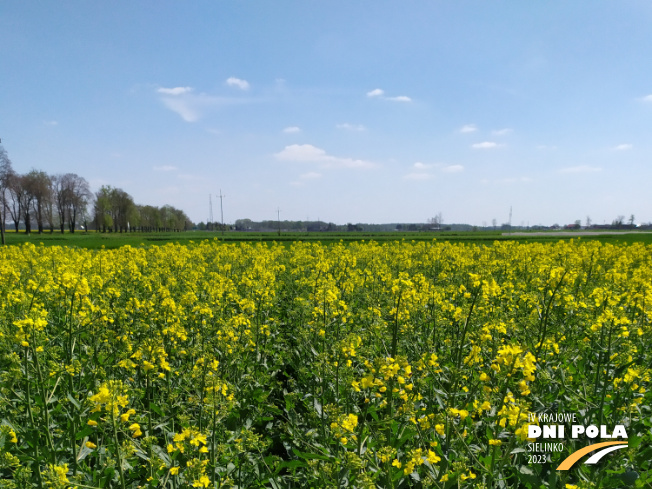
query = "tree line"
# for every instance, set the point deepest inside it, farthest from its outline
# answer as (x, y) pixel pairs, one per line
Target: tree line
(42, 202)
(322, 226)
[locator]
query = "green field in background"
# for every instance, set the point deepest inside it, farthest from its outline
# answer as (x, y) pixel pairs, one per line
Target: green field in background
(93, 240)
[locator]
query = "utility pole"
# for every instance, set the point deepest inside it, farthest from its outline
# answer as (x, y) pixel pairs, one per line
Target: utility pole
(222, 211)
(278, 218)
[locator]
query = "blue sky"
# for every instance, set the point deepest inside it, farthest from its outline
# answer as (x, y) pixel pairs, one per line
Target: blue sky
(347, 111)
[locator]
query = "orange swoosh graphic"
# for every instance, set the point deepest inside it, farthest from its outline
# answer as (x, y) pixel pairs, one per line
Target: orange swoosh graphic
(574, 457)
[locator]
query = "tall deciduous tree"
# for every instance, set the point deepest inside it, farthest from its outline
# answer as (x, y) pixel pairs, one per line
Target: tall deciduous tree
(15, 203)
(150, 219)
(80, 197)
(102, 209)
(50, 206)
(60, 197)
(26, 198)
(6, 173)
(123, 207)
(71, 195)
(114, 209)
(37, 194)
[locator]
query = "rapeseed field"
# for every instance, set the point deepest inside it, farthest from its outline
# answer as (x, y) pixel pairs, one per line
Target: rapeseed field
(351, 365)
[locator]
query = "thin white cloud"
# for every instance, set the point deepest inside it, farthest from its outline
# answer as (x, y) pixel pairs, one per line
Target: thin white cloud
(467, 128)
(292, 129)
(418, 176)
(305, 177)
(486, 145)
(423, 166)
(623, 147)
(182, 108)
(453, 169)
(238, 83)
(165, 168)
(400, 98)
(580, 169)
(174, 91)
(647, 98)
(307, 153)
(51, 123)
(376, 93)
(351, 127)
(379, 93)
(190, 106)
(502, 132)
